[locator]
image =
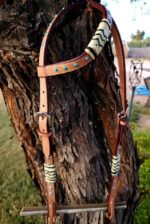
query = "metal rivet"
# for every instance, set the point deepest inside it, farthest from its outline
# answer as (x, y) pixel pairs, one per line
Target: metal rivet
(65, 68)
(87, 58)
(75, 65)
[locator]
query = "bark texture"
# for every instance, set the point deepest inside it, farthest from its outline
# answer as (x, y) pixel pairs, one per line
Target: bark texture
(84, 106)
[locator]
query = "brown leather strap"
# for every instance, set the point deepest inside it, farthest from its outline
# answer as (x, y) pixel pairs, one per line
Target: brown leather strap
(64, 67)
(111, 199)
(122, 71)
(121, 123)
(44, 135)
(121, 63)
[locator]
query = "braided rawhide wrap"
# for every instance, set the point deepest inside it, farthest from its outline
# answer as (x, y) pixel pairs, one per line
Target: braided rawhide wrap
(99, 39)
(115, 166)
(50, 173)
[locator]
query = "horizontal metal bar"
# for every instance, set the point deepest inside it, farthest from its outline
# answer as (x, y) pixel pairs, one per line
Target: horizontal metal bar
(69, 209)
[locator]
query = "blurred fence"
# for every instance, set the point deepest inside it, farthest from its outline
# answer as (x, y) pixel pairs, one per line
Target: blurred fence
(139, 52)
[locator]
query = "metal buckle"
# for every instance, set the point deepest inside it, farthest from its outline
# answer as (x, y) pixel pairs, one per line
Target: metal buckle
(122, 118)
(43, 115)
(122, 115)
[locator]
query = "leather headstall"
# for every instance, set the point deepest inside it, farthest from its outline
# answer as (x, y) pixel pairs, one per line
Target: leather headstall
(106, 28)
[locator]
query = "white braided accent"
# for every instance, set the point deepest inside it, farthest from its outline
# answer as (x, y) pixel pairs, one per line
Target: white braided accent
(115, 166)
(99, 39)
(50, 173)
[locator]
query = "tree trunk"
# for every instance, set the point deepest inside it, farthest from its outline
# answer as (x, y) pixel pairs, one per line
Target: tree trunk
(84, 107)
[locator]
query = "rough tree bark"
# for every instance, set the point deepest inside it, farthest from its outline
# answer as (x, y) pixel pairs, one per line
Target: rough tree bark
(81, 141)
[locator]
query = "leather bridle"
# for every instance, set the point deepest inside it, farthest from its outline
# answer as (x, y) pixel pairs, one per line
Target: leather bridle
(44, 71)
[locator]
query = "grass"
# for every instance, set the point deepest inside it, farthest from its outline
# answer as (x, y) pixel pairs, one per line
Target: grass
(142, 138)
(16, 187)
(135, 113)
(142, 215)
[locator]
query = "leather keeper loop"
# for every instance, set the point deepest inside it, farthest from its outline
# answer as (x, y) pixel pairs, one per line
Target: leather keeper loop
(41, 72)
(45, 135)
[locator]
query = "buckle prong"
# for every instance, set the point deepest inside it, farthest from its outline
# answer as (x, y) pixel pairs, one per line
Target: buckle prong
(42, 114)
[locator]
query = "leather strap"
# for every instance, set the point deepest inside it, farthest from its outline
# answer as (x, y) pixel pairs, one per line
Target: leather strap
(69, 65)
(122, 71)
(64, 67)
(121, 63)
(45, 71)
(121, 123)
(84, 58)
(44, 135)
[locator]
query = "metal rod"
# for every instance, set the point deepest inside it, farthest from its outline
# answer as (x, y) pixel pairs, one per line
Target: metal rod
(131, 102)
(102, 217)
(70, 209)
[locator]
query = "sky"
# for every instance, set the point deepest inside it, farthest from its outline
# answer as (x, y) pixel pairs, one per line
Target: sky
(130, 17)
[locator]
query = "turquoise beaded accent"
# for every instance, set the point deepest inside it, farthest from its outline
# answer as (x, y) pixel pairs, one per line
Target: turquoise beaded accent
(65, 68)
(87, 58)
(55, 69)
(75, 65)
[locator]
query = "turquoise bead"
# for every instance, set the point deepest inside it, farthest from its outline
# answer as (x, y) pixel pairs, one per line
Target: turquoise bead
(55, 69)
(76, 65)
(65, 68)
(87, 58)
